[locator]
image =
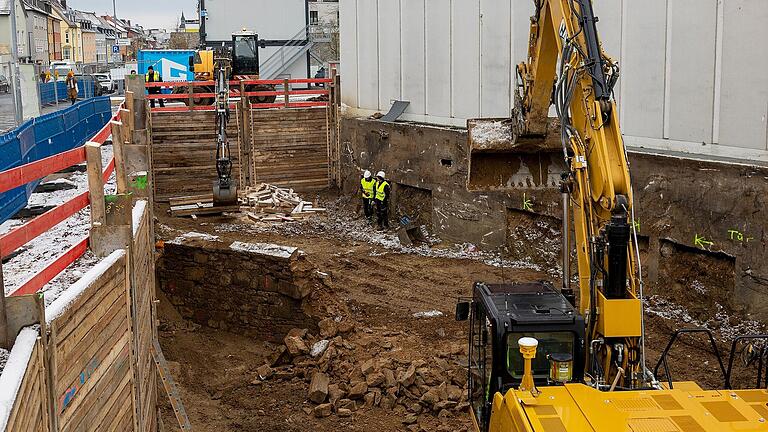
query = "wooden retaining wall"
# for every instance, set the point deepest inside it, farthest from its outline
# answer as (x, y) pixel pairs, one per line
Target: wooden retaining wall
(184, 152)
(33, 414)
(285, 147)
(290, 148)
(90, 356)
(96, 370)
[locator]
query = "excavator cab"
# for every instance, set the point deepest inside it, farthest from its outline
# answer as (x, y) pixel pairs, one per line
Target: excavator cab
(245, 53)
(499, 315)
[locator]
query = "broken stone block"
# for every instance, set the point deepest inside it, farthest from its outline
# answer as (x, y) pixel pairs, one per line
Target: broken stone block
(368, 366)
(346, 403)
(410, 419)
(407, 377)
(328, 328)
(323, 410)
(358, 390)
(454, 393)
(264, 372)
(318, 388)
(297, 332)
(375, 379)
(369, 398)
(430, 398)
(344, 412)
(389, 377)
(334, 393)
(295, 345)
(388, 401)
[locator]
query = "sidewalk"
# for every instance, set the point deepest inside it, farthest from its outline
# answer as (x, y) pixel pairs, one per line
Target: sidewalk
(7, 117)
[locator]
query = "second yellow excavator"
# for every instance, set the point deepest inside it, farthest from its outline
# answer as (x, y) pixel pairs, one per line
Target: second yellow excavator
(549, 360)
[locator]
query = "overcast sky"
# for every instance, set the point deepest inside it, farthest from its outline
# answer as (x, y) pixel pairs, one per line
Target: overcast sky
(148, 13)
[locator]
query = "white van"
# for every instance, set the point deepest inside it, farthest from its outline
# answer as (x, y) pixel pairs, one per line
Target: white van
(63, 67)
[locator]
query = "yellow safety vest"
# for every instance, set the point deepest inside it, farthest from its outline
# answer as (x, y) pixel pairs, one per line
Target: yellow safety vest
(156, 76)
(368, 186)
(380, 193)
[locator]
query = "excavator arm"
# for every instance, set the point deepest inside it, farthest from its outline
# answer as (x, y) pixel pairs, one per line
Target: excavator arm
(565, 55)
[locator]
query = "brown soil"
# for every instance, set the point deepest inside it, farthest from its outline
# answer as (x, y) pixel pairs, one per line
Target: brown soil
(381, 290)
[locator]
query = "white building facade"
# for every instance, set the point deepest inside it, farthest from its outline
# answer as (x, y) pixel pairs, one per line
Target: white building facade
(693, 71)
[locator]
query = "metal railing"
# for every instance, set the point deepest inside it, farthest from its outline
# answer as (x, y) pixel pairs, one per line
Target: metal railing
(287, 54)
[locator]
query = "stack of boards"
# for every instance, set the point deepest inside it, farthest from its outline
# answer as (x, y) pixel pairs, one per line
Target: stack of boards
(270, 203)
(264, 203)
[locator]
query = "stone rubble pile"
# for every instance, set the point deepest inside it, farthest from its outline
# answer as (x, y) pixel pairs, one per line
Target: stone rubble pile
(343, 379)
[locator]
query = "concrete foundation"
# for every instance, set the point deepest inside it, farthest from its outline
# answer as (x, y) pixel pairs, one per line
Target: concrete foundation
(708, 212)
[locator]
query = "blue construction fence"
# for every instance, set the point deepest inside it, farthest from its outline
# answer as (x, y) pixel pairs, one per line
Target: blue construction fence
(46, 136)
(86, 88)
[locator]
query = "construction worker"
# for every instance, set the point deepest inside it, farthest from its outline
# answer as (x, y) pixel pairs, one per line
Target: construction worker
(382, 200)
(153, 76)
(367, 185)
(71, 87)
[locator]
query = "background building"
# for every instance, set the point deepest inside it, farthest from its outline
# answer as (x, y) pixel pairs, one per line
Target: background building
(282, 26)
(689, 78)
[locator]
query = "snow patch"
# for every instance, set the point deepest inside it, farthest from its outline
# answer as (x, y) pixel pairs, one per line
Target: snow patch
(319, 347)
(138, 213)
(13, 373)
(192, 235)
(60, 305)
(274, 250)
(428, 314)
(490, 132)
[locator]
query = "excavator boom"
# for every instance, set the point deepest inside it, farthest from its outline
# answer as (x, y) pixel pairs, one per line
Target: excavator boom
(572, 359)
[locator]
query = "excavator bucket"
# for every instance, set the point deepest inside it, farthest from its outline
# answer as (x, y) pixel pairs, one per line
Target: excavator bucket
(502, 159)
(224, 195)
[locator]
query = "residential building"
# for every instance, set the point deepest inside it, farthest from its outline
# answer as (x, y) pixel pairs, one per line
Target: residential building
(88, 36)
(22, 37)
(71, 34)
(54, 35)
(37, 31)
(121, 32)
(110, 39)
(324, 13)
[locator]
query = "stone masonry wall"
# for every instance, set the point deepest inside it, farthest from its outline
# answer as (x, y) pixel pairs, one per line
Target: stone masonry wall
(259, 290)
(717, 209)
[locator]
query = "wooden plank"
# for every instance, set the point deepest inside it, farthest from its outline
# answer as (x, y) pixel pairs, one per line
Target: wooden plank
(170, 387)
(95, 183)
(117, 148)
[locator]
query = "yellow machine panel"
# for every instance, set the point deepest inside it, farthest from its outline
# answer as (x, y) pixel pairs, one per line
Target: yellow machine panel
(615, 313)
(580, 408)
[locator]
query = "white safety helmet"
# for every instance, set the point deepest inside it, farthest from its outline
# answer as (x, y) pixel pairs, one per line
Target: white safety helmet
(367, 174)
(381, 174)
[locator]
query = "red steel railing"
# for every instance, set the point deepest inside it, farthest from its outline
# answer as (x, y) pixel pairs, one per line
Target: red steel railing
(235, 91)
(23, 234)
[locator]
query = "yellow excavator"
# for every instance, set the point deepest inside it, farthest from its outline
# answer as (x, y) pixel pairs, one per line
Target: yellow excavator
(543, 359)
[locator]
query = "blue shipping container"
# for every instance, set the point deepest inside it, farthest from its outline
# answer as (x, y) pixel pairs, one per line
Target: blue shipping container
(173, 65)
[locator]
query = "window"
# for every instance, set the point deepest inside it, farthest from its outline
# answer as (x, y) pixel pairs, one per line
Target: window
(549, 343)
(313, 17)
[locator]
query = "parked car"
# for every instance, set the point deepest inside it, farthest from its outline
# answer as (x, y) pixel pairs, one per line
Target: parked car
(86, 79)
(4, 86)
(106, 82)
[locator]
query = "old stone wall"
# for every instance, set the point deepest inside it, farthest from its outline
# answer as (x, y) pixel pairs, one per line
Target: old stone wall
(259, 290)
(710, 212)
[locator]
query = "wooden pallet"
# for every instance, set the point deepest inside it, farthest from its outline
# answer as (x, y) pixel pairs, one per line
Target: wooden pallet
(170, 387)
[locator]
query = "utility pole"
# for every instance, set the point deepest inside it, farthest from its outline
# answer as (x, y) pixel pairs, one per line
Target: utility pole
(117, 36)
(15, 60)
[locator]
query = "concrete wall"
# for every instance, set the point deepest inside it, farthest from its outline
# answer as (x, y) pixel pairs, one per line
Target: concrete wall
(693, 73)
(258, 292)
(677, 201)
